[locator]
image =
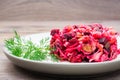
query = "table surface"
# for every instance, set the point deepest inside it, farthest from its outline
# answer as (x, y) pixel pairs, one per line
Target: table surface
(8, 71)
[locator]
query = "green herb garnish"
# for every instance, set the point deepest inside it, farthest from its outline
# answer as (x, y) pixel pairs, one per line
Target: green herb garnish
(27, 49)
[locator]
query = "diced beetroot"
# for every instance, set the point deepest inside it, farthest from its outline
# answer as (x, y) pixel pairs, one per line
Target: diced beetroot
(54, 31)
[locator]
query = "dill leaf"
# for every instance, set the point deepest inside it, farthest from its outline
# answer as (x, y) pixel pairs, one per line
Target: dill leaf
(29, 50)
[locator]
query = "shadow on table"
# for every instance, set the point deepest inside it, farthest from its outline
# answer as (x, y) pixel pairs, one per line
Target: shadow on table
(114, 75)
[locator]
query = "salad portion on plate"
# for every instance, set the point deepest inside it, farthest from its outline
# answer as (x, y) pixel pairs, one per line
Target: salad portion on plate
(71, 50)
(89, 43)
(77, 43)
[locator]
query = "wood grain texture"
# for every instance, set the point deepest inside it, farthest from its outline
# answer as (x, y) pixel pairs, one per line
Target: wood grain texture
(40, 10)
(8, 71)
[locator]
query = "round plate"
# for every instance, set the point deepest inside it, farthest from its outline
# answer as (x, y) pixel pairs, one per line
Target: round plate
(62, 67)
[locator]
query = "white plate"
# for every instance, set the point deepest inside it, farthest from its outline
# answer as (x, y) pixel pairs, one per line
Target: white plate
(62, 67)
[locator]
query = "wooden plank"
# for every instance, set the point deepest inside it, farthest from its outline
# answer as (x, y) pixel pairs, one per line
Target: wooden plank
(59, 10)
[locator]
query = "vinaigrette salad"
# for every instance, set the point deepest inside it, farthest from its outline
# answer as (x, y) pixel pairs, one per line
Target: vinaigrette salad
(84, 43)
(75, 44)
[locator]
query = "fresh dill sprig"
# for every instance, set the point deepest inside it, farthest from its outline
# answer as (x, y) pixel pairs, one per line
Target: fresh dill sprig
(14, 44)
(29, 50)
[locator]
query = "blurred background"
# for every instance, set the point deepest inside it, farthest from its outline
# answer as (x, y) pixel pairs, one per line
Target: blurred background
(47, 10)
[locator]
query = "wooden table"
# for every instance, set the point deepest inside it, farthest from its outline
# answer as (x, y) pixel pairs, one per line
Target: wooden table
(8, 71)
